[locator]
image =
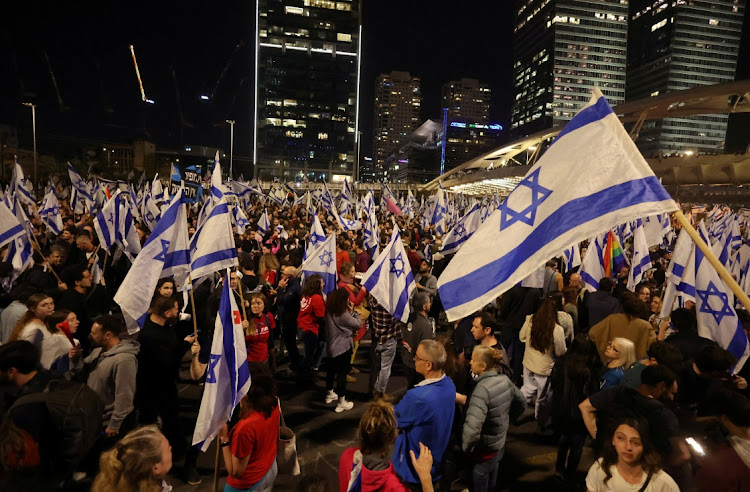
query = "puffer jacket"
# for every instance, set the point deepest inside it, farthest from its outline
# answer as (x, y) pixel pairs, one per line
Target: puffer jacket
(487, 417)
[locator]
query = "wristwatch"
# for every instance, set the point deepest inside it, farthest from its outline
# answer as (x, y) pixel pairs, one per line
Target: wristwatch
(225, 444)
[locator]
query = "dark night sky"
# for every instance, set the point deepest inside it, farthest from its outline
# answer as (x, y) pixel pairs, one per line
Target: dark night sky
(87, 45)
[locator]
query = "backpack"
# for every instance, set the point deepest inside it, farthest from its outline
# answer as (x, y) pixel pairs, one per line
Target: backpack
(76, 412)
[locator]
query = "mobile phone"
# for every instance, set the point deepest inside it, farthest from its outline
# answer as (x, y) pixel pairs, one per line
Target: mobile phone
(695, 446)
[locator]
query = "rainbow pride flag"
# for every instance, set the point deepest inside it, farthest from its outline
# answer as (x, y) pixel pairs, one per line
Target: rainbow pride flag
(613, 256)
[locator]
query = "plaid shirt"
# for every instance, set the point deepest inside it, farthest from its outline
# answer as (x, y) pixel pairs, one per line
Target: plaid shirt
(384, 327)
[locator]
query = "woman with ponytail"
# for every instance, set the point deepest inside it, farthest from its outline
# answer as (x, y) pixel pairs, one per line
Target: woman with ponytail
(138, 463)
(59, 349)
(488, 416)
(368, 467)
(31, 326)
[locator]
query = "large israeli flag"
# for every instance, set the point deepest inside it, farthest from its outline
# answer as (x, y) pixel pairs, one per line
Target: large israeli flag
(462, 231)
(165, 254)
(641, 259)
(323, 262)
(717, 318)
(212, 247)
(227, 374)
(680, 283)
(591, 179)
(390, 279)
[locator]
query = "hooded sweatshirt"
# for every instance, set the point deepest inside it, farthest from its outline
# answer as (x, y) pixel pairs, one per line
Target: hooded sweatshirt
(112, 377)
(367, 473)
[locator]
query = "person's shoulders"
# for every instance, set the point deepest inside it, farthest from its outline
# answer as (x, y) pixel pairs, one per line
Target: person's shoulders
(662, 482)
(595, 477)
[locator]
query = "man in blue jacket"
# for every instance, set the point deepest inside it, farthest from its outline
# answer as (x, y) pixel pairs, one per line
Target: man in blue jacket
(425, 413)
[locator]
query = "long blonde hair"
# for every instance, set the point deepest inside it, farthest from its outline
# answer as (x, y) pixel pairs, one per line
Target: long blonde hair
(626, 349)
(128, 467)
(31, 304)
(267, 262)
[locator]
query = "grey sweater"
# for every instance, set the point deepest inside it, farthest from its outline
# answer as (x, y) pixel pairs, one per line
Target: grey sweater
(113, 379)
(487, 417)
(339, 332)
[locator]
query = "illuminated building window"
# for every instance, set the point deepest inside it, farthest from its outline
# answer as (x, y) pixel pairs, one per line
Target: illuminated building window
(294, 10)
(659, 25)
(347, 38)
(322, 136)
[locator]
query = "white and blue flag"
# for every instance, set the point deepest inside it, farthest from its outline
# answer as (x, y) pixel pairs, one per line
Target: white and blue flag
(592, 266)
(227, 373)
(212, 247)
(680, 283)
(10, 227)
(323, 263)
(107, 222)
(717, 319)
(572, 257)
(641, 259)
(21, 187)
(462, 231)
(390, 279)
(552, 208)
(263, 223)
(50, 212)
(438, 218)
(240, 219)
(165, 254)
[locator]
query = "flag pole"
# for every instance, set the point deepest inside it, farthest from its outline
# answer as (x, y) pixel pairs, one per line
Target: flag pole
(39, 249)
(192, 305)
(723, 273)
(215, 487)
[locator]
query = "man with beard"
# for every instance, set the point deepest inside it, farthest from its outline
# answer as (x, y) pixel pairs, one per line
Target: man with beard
(425, 281)
(159, 368)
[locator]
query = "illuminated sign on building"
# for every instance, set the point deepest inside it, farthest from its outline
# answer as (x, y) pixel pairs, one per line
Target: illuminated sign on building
(459, 124)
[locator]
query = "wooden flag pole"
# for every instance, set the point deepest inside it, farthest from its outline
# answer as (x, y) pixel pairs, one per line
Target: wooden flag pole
(192, 307)
(39, 249)
(215, 487)
(706, 250)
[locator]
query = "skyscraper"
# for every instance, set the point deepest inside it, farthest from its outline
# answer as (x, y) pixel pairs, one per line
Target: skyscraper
(561, 50)
(468, 130)
(675, 45)
(307, 73)
(398, 103)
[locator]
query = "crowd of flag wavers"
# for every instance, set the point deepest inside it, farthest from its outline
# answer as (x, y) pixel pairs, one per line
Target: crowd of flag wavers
(587, 300)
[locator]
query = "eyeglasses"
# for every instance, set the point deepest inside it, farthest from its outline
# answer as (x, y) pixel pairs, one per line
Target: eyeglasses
(419, 358)
(612, 346)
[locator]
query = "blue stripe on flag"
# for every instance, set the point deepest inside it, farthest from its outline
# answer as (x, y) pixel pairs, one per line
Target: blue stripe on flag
(13, 231)
(226, 314)
(592, 114)
(567, 217)
(214, 257)
(403, 298)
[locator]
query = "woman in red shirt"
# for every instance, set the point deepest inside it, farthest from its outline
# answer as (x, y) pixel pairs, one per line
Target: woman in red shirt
(259, 330)
(250, 449)
(312, 313)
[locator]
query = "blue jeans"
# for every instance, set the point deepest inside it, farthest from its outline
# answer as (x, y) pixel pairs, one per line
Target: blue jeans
(265, 484)
(484, 474)
(384, 354)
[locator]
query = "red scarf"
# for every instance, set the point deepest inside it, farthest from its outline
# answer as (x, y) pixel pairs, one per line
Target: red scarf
(65, 328)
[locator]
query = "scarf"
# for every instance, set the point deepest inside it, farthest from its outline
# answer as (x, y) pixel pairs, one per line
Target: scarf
(65, 328)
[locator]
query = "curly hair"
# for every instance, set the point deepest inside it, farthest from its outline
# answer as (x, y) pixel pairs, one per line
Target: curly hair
(129, 465)
(377, 428)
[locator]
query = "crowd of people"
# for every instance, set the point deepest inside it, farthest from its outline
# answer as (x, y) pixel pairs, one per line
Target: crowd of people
(85, 404)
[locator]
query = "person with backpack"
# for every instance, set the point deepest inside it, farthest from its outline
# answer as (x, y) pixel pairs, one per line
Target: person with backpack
(62, 417)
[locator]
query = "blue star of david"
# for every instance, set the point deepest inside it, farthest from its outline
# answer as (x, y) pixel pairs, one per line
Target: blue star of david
(398, 269)
(326, 258)
(56, 211)
(150, 217)
(111, 218)
(704, 296)
(162, 256)
(460, 230)
(538, 195)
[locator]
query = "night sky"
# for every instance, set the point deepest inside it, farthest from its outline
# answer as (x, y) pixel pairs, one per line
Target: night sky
(183, 48)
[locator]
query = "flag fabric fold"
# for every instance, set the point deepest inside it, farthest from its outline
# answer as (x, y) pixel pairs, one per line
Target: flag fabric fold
(390, 279)
(323, 262)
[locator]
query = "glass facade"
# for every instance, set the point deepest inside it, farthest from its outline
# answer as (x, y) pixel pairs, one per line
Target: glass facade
(563, 49)
(676, 45)
(398, 104)
(307, 87)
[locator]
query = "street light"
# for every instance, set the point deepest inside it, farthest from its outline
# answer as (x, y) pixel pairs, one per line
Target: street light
(33, 128)
(231, 145)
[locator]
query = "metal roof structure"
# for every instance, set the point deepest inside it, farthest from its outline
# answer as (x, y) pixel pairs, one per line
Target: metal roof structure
(502, 168)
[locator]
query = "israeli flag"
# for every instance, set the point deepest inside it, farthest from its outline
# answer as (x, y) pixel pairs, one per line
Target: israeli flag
(157, 190)
(641, 259)
(19, 255)
(371, 234)
(165, 254)
(227, 374)
(462, 231)
(263, 223)
(10, 227)
(126, 235)
(79, 185)
(680, 283)
(50, 212)
(212, 247)
(552, 208)
(438, 218)
(390, 280)
(240, 219)
(592, 267)
(150, 212)
(107, 222)
(572, 257)
(21, 187)
(323, 262)
(717, 318)
(317, 233)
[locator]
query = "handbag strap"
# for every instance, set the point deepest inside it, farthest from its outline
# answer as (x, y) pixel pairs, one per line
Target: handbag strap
(645, 484)
(281, 414)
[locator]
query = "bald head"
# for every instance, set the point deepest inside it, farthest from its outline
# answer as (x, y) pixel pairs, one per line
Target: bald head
(575, 280)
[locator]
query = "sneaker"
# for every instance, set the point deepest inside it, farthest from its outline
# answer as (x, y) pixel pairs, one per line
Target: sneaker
(192, 477)
(344, 405)
(79, 476)
(331, 397)
(350, 379)
(354, 370)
